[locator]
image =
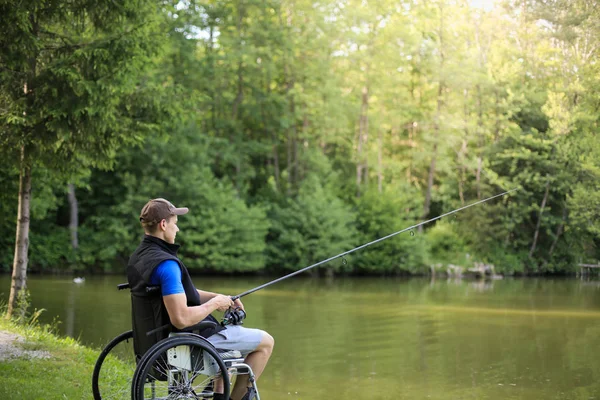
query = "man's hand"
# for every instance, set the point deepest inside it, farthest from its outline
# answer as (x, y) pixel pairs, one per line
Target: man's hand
(238, 303)
(221, 302)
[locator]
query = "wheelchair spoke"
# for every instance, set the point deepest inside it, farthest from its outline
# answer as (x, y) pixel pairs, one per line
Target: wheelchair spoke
(180, 368)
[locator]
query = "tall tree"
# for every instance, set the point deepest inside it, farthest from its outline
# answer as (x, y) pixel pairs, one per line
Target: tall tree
(68, 72)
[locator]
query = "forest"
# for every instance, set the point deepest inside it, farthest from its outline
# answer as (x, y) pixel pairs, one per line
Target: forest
(295, 130)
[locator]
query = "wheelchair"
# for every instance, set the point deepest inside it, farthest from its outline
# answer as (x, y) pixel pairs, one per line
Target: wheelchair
(182, 366)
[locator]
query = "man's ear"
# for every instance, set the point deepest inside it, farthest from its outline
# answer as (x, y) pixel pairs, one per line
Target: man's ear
(163, 224)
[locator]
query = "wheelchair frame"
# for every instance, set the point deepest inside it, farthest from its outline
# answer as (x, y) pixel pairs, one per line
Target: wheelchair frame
(174, 355)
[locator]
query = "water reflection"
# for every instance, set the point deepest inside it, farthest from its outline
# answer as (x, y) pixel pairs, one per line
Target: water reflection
(482, 285)
(70, 311)
(389, 338)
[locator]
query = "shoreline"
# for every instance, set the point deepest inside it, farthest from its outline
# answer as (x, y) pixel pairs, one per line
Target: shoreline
(36, 363)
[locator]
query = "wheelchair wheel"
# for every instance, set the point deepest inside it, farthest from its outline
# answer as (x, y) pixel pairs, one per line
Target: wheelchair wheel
(184, 367)
(111, 379)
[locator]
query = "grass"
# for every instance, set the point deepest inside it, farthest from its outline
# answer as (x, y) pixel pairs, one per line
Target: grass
(67, 374)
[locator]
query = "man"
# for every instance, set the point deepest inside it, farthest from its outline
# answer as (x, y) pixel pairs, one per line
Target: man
(179, 303)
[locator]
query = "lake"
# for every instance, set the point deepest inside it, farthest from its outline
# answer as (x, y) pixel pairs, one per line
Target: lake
(385, 338)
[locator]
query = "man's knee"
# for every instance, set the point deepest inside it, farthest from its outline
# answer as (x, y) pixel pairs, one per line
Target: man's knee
(267, 342)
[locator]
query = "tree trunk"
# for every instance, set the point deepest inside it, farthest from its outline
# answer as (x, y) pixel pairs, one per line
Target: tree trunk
(559, 231)
(436, 127)
(462, 173)
(305, 142)
(271, 132)
(497, 112)
(480, 129)
(288, 148)
(239, 98)
(380, 162)
(411, 137)
(431, 174)
(412, 129)
(74, 221)
(430, 178)
(463, 151)
(539, 221)
(213, 92)
(292, 150)
(236, 105)
(480, 140)
(291, 134)
(19, 274)
(237, 140)
(478, 176)
(295, 147)
(275, 154)
(240, 92)
(363, 137)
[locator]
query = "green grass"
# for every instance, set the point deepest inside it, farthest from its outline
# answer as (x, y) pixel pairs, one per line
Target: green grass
(67, 374)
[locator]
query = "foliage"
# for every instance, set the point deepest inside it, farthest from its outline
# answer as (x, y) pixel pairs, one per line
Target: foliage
(220, 233)
(446, 244)
(312, 227)
(297, 130)
(9, 180)
(67, 86)
(381, 214)
(223, 234)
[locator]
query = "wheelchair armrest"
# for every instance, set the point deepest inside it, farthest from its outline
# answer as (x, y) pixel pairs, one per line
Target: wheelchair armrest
(160, 328)
(199, 326)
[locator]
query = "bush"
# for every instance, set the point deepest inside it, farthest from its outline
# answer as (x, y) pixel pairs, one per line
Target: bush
(380, 214)
(446, 244)
(310, 228)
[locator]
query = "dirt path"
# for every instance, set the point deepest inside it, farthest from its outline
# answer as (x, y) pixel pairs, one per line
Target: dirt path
(11, 346)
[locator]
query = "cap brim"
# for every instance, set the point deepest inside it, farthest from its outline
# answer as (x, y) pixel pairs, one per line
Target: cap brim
(180, 211)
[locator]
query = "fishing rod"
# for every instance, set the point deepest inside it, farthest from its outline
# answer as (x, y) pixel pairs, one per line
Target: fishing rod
(365, 245)
(235, 316)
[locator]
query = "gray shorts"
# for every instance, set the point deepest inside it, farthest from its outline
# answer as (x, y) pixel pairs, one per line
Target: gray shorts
(236, 337)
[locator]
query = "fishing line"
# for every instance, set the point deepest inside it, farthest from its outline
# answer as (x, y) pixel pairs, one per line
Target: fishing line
(365, 245)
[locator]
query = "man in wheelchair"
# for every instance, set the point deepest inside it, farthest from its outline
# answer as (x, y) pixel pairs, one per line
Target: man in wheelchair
(178, 304)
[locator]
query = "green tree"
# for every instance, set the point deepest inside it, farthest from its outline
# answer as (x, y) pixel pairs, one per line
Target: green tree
(68, 73)
(221, 233)
(312, 227)
(281, 104)
(380, 214)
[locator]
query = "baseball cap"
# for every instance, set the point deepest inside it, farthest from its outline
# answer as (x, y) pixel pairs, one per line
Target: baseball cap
(158, 209)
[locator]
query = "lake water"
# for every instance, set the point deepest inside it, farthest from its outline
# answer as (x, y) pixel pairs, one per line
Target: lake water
(382, 338)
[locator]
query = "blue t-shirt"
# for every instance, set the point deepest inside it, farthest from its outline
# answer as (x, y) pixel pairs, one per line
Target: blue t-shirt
(168, 276)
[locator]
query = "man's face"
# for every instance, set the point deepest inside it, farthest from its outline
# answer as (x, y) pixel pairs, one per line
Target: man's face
(171, 229)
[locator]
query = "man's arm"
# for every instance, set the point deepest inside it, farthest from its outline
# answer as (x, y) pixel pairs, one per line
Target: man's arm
(182, 316)
(205, 296)
(168, 275)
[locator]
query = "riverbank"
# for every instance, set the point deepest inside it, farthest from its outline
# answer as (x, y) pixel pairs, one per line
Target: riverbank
(37, 364)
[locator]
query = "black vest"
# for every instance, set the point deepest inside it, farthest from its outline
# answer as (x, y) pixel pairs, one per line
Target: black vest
(147, 308)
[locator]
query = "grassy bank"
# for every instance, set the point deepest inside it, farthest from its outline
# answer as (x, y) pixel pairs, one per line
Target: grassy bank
(65, 373)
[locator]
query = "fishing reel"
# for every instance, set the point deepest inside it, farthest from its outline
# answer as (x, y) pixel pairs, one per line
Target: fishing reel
(233, 316)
